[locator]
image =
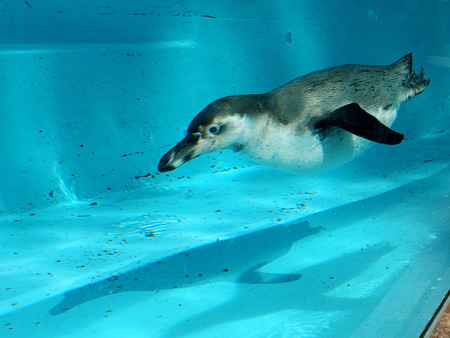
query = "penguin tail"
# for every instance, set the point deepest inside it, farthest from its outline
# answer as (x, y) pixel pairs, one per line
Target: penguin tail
(414, 83)
(404, 65)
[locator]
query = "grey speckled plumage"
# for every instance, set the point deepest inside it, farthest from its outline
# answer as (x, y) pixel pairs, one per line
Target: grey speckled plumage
(372, 87)
(314, 122)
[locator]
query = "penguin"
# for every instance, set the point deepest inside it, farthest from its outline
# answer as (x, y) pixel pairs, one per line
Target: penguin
(315, 122)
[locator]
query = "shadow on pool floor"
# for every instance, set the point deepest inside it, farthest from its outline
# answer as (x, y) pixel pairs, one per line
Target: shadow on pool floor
(235, 259)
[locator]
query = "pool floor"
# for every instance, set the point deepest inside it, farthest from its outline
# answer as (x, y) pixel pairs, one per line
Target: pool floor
(359, 251)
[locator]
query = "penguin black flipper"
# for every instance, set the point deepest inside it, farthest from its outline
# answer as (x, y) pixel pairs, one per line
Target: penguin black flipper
(356, 120)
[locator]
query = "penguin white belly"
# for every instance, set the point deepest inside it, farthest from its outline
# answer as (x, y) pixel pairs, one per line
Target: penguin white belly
(279, 147)
(305, 153)
(282, 147)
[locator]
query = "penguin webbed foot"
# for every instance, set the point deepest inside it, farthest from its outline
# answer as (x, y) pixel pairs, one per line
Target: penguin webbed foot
(417, 83)
(357, 121)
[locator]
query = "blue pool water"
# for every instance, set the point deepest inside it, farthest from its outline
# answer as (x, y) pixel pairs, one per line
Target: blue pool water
(96, 243)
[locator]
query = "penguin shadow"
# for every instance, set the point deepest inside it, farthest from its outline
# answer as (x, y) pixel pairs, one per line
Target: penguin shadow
(233, 260)
(313, 293)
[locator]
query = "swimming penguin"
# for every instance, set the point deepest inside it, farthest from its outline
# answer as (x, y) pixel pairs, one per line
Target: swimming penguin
(317, 121)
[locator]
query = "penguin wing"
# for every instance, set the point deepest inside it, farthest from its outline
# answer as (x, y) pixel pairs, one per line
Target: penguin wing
(356, 120)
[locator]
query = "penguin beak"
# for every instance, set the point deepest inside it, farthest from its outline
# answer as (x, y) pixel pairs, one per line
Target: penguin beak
(183, 152)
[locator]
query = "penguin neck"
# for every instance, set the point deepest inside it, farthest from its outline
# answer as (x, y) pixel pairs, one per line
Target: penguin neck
(245, 135)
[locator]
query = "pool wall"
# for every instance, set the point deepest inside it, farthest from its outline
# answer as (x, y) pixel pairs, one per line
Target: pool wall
(95, 92)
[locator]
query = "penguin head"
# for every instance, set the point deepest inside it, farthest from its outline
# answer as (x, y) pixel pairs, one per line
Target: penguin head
(220, 125)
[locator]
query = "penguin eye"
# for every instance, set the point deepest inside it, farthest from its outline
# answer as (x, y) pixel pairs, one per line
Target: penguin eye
(214, 129)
